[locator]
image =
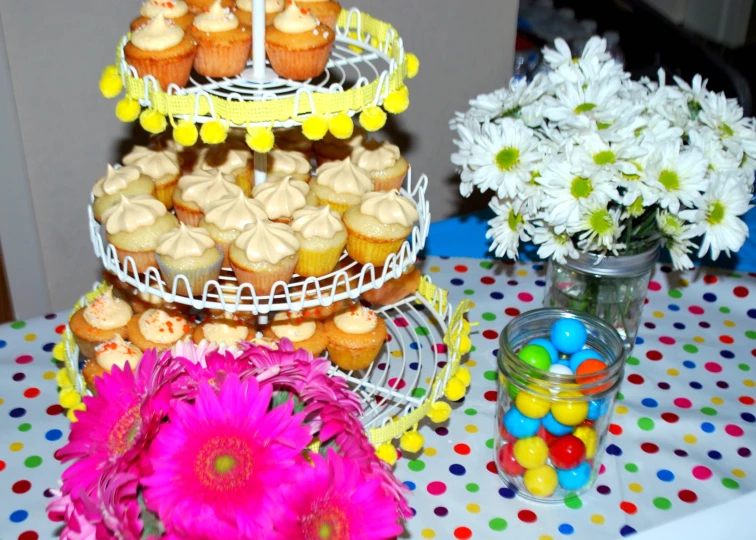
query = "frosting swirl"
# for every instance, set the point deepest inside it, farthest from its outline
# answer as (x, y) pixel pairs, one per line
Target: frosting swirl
(117, 352)
(264, 342)
(234, 212)
(297, 329)
(389, 208)
(155, 164)
(281, 198)
(184, 242)
(107, 312)
(150, 298)
(313, 222)
(344, 177)
(132, 213)
(216, 19)
(265, 241)
(157, 35)
(171, 9)
(203, 187)
(287, 162)
(271, 6)
(159, 327)
(356, 320)
(227, 160)
(376, 156)
(220, 332)
(295, 20)
(115, 180)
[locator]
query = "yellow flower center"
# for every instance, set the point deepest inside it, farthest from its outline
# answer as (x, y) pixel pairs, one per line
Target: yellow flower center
(603, 125)
(124, 432)
(636, 208)
(669, 180)
(601, 222)
(581, 187)
(726, 130)
(514, 220)
(716, 213)
(325, 522)
(604, 158)
(325, 531)
(224, 464)
(584, 108)
(507, 158)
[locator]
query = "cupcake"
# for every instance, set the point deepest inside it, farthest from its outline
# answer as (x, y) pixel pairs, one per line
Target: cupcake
(173, 10)
(229, 292)
(304, 333)
(289, 163)
(121, 289)
(127, 181)
(108, 355)
(322, 311)
(341, 184)
(161, 49)
(298, 45)
(142, 301)
(102, 320)
(322, 238)
(198, 189)
(264, 254)
(189, 252)
(223, 44)
(378, 226)
(232, 158)
(395, 290)
(228, 331)
(282, 197)
(384, 163)
(355, 337)
(293, 139)
(160, 165)
(333, 149)
(157, 329)
(243, 11)
(327, 11)
(226, 218)
(200, 6)
(133, 226)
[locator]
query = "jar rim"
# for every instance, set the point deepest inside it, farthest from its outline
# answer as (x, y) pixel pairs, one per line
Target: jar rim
(615, 265)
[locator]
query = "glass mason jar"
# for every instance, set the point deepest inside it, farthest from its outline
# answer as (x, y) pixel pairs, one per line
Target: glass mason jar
(611, 288)
(551, 428)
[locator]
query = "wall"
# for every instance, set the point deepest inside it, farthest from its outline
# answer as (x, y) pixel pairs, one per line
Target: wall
(57, 50)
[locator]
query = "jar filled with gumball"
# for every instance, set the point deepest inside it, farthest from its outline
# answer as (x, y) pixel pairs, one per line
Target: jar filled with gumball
(559, 372)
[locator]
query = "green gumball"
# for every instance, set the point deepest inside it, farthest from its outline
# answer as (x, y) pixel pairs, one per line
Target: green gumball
(536, 356)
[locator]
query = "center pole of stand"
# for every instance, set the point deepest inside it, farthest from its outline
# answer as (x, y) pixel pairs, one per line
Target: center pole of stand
(258, 39)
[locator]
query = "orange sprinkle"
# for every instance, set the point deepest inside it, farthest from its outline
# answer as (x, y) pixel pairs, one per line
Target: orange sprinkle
(186, 328)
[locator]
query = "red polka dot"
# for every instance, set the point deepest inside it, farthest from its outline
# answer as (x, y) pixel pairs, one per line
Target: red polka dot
(713, 367)
(746, 400)
(701, 473)
(396, 384)
(628, 508)
(654, 356)
(491, 467)
(527, 516)
(602, 469)
(740, 292)
(696, 310)
(654, 286)
(461, 268)
(670, 417)
(666, 340)
(512, 312)
(31, 393)
(440, 348)
(490, 396)
(525, 297)
(710, 280)
(462, 533)
(401, 322)
(22, 486)
(60, 329)
(649, 448)
(635, 379)
(615, 429)
(490, 334)
(487, 280)
(687, 496)
(727, 340)
(683, 403)
(53, 410)
(28, 535)
(2, 465)
(462, 449)
(24, 359)
(733, 430)
(437, 488)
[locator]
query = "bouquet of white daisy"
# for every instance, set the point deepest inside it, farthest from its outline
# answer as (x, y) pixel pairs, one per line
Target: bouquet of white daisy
(583, 159)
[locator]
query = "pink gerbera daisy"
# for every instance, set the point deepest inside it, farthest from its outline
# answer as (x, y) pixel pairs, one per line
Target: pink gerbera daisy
(218, 366)
(215, 463)
(333, 500)
(77, 527)
(115, 511)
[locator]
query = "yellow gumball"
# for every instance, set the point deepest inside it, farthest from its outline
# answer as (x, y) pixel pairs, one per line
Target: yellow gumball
(386, 452)
(533, 404)
(531, 453)
(541, 482)
(589, 438)
(570, 412)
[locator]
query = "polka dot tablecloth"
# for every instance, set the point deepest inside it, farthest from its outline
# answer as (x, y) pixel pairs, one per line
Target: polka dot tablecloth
(681, 439)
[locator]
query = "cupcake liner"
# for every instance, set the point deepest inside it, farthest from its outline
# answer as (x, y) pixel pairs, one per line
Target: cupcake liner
(221, 59)
(172, 70)
(353, 359)
(188, 216)
(317, 263)
(164, 193)
(366, 250)
(263, 281)
(197, 278)
(142, 259)
(387, 184)
(246, 181)
(336, 207)
(226, 249)
(298, 65)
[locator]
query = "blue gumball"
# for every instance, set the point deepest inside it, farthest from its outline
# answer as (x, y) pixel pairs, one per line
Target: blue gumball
(554, 427)
(581, 356)
(568, 335)
(574, 479)
(597, 409)
(520, 426)
(546, 344)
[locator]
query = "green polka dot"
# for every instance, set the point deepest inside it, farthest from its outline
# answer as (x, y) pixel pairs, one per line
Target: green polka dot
(24, 428)
(33, 462)
(674, 293)
(724, 309)
(646, 424)
(486, 264)
(489, 443)
(472, 488)
(744, 367)
(633, 361)
(729, 483)
(692, 349)
(631, 467)
(735, 275)
(708, 411)
(497, 524)
(751, 334)
(488, 316)
(416, 465)
(471, 412)
(662, 504)
(490, 375)
(573, 502)
(620, 396)
(18, 325)
(422, 331)
(473, 349)
(469, 292)
(418, 392)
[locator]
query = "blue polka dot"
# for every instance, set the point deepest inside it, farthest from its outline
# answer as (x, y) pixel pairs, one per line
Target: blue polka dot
(752, 313)
(53, 435)
(690, 364)
(639, 341)
(497, 295)
(727, 354)
(716, 456)
(496, 352)
(708, 427)
(457, 281)
(614, 450)
(748, 417)
(540, 283)
(48, 347)
(710, 297)
(18, 516)
(17, 412)
(674, 307)
(410, 485)
(627, 530)
(679, 326)
(538, 267)
(457, 470)
(506, 493)
(415, 346)
(650, 403)
(3, 343)
(665, 476)
(696, 385)
(566, 529)
(414, 365)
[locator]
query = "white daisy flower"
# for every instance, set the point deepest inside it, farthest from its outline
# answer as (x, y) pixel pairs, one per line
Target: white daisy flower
(610, 159)
(680, 250)
(580, 107)
(675, 236)
(599, 229)
(678, 176)
(719, 158)
(725, 117)
(553, 245)
(593, 64)
(507, 229)
(694, 92)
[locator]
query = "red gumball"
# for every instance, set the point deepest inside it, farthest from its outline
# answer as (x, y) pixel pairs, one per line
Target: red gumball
(548, 438)
(505, 435)
(587, 423)
(567, 452)
(507, 461)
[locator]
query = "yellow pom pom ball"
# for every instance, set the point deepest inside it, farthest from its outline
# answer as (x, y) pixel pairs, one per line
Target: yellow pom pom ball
(465, 345)
(213, 132)
(412, 442)
(413, 65)
(128, 109)
(71, 414)
(373, 118)
(439, 412)
(463, 374)
(62, 378)
(386, 452)
(341, 126)
(396, 102)
(69, 397)
(110, 84)
(185, 133)
(260, 139)
(109, 71)
(59, 352)
(455, 389)
(152, 121)
(315, 127)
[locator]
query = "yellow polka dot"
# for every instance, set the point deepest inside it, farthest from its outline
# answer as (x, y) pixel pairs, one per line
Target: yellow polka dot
(470, 428)
(621, 409)
(434, 269)
(658, 314)
(472, 305)
(2, 401)
(636, 488)
(597, 519)
(522, 273)
(683, 282)
(16, 447)
(471, 363)
(48, 375)
(729, 324)
(428, 533)
(30, 337)
(672, 372)
(717, 400)
(396, 354)
(690, 439)
(473, 508)
(738, 473)
(546, 537)
(427, 381)
(749, 383)
(430, 452)
(699, 339)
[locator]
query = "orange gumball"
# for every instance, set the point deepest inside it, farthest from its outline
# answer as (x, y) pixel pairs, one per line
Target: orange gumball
(586, 368)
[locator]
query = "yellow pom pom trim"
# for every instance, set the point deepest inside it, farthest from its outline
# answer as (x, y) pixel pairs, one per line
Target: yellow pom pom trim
(463, 374)
(413, 65)
(439, 412)
(62, 378)
(315, 127)
(128, 109)
(373, 118)
(465, 345)
(59, 352)
(412, 442)
(152, 121)
(213, 132)
(260, 139)
(71, 414)
(185, 133)
(69, 397)
(110, 84)
(396, 102)
(109, 71)
(386, 452)
(341, 126)
(455, 389)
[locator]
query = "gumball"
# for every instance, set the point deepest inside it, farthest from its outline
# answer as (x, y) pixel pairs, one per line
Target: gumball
(581, 356)
(541, 482)
(589, 438)
(563, 362)
(568, 335)
(519, 425)
(512, 390)
(586, 368)
(505, 435)
(588, 423)
(556, 428)
(531, 453)
(536, 356)
(546, 344)
(597, 408)
(560, 369)
(507, 462)
(533, 404)
(547, 437)
(576, 478)
(569, 412)
(567, 452)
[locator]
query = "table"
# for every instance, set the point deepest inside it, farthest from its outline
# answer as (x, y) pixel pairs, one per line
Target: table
(682, 436)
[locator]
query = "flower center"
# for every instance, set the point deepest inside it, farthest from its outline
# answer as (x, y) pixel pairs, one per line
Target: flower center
(716, 213)
(726, 130)
(514, 220)
(585, 107)
(224, 464)
(601, 222)
(325, 522)
(124, 431)
(604, 158)
(581, 187)
(669, 180)
(636, 208)
(603, 125)
(507, 158)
